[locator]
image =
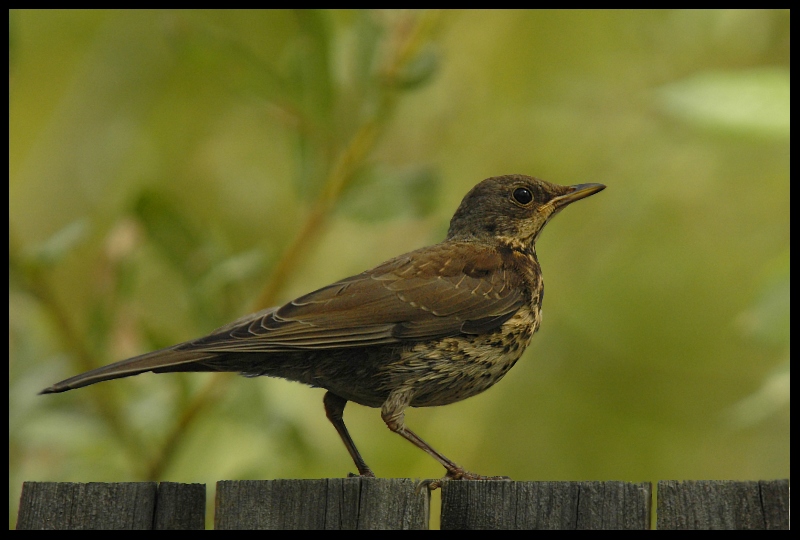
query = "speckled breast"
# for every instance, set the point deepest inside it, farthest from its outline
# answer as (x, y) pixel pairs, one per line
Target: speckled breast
(455, 368)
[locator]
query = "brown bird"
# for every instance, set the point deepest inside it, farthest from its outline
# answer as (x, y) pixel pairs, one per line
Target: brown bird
(431, 327)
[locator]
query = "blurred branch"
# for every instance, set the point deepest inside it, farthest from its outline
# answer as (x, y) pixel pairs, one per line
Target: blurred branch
(34, 280)
(208, 395)
(215, 49)
(351, 156)
(359, 147)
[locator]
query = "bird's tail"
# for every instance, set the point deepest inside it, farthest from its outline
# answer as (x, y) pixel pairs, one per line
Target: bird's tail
(163, 360)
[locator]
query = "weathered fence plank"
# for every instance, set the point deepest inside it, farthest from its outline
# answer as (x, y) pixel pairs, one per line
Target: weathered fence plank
(498, 504)
(122, 506)
(369, 503)
(332, 503)
(718, 504)
(775, 503)
(117, 506)
(180, 507)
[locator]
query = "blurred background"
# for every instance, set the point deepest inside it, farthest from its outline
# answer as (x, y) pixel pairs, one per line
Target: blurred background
(171, 171)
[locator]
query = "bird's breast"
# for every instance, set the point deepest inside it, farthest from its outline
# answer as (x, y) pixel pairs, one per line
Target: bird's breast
(455, 368)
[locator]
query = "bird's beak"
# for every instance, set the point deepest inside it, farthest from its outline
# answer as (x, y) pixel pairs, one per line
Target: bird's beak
(557, 204)
(575, 193)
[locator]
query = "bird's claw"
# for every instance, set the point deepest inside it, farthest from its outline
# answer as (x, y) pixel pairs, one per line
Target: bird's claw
(367, 474)
(455, 474)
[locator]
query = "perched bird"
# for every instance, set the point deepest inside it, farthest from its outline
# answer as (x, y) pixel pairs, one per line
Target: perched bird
(430, 327)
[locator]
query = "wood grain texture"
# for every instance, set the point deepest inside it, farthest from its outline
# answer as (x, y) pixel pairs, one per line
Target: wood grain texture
(333, 503)
(62, 506)
(723, 504)
(111, 506)
(180, 507)
(545, 505)
(371, 503)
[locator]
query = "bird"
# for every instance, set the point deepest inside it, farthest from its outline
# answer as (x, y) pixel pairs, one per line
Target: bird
(427, 328)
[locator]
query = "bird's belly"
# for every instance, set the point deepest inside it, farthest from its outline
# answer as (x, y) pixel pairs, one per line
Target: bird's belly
(451, 369)
(436, 372)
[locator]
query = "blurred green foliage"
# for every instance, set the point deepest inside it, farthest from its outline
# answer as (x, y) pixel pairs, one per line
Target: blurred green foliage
(170, 171)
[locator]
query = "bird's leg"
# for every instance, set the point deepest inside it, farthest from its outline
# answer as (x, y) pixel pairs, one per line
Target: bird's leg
(393, 414)
(334, 408)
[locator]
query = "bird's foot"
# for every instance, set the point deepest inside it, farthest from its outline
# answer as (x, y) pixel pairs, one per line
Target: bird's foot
(365, 474)
(456, 474)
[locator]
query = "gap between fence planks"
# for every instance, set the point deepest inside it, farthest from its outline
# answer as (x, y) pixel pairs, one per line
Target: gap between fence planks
(117, 506)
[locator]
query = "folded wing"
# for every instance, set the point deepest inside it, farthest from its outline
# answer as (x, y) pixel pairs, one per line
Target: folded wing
(435, 292)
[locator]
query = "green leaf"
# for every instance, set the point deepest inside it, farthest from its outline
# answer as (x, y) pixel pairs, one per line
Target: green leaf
(307, 62)
(224, 56)
(177, 237)
(772, 397)
(419, 71)
(380, 193)
(311, 167)
(368, 36)
(60, 244)
(233, 270)
(768, 319)
(750, 102)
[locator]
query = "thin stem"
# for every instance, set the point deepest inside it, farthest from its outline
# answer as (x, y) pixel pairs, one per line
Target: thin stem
(209, 394)
(35, 281)
(350, 158)
(353, 155)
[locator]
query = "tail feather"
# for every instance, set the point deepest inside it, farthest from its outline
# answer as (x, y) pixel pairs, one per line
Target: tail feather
(162, 360)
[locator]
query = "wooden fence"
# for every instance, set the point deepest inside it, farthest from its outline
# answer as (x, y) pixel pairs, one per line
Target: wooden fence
(397, 503)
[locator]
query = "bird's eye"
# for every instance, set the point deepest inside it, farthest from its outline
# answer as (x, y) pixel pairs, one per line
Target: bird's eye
(522, 196)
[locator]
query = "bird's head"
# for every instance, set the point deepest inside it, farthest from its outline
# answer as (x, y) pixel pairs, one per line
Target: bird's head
(513, 209)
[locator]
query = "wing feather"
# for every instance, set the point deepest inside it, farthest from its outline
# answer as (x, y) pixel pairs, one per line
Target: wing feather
(439, 291)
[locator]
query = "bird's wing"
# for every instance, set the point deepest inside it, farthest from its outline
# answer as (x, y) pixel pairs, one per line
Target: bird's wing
(442, 290)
